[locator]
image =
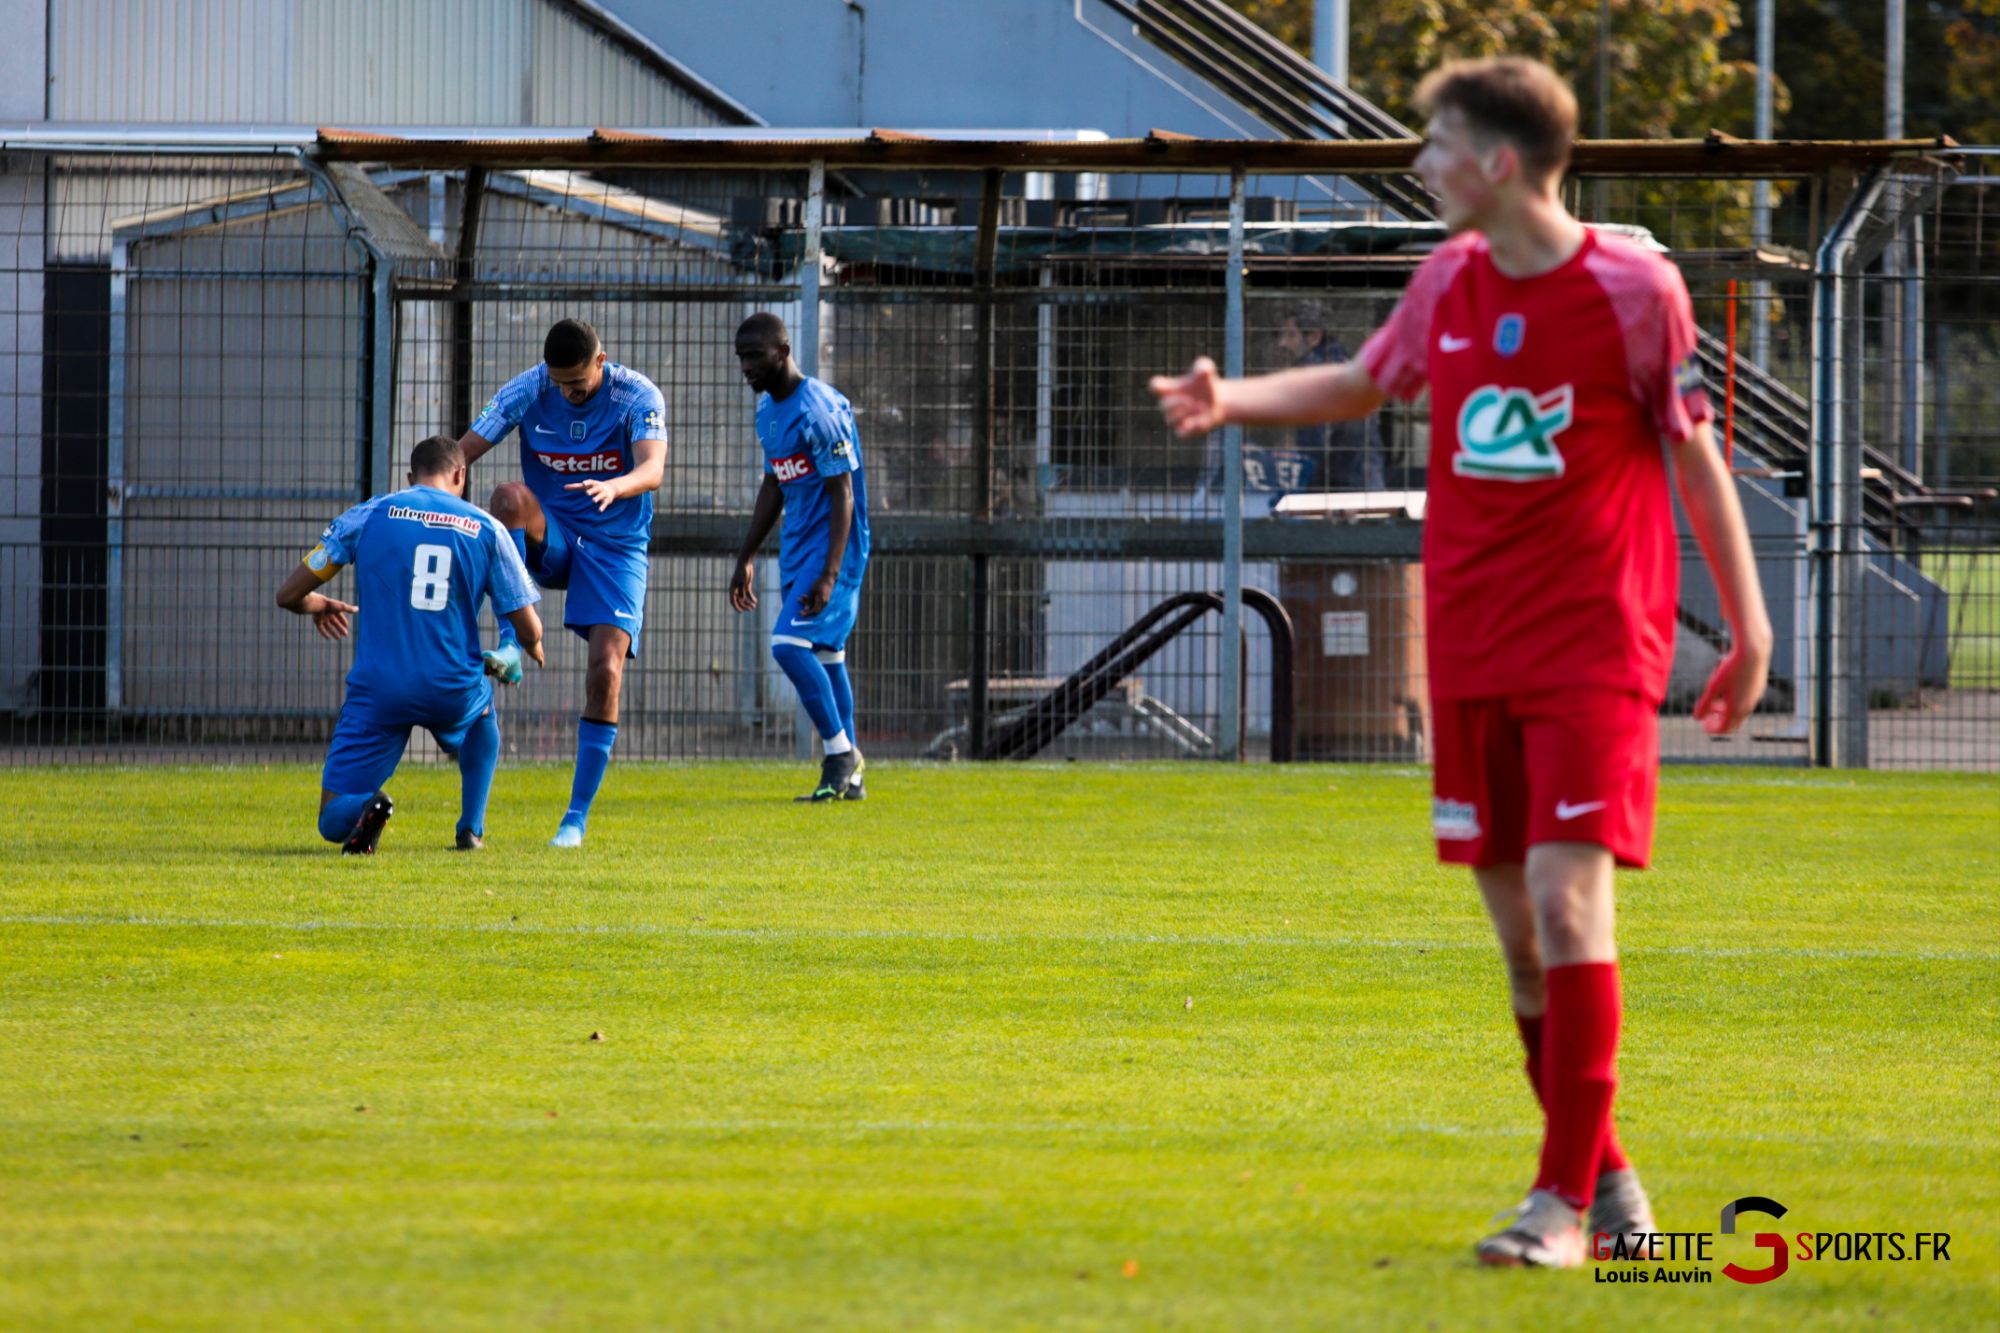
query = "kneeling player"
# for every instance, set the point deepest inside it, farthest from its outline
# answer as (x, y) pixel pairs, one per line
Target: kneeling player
(812, 475)
(423, 560)
(593, 451)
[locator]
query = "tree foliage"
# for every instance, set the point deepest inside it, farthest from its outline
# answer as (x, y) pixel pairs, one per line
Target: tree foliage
(1683, 67)
(1669, 72)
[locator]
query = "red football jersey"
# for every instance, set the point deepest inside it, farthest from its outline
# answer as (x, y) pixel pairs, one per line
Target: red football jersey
(1549, 551)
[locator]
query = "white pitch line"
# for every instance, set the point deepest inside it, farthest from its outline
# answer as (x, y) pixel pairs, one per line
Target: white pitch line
(780, 934)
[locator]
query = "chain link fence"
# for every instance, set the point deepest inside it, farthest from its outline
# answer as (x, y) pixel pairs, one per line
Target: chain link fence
(214, 353)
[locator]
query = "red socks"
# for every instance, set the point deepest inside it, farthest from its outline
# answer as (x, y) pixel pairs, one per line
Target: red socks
(1614, 1158)
(1578, 1074)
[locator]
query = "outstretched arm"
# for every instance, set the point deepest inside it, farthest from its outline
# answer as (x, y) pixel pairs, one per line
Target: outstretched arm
(742, 582)
(300, 595)
(1202, 400)
(1709, 495)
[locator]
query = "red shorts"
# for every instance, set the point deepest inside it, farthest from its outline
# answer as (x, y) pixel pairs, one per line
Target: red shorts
(1576, 765)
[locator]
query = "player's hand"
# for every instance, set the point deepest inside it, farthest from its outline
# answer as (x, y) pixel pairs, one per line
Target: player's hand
(601, 492)
(1733, 691)
(743, 588)
(1192, 404)
(816, 597)
(330, 617)
(533, 652)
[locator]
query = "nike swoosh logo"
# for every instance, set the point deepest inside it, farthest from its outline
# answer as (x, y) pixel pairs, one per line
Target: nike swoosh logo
(1447, 343)
(544, 430)
(1564, 810)
(622, 615)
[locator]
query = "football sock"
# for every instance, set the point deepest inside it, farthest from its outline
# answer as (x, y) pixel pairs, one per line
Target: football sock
(593, 755)
(843, 689)
(478, 753)
(337, 816)
(1579, 1075)
(809, 678)
(1614, 1158)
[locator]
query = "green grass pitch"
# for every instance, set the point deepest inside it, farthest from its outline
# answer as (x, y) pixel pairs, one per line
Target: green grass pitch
(1046, 1047)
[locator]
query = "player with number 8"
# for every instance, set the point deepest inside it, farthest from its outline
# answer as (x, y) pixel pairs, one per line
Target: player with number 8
(424, 559)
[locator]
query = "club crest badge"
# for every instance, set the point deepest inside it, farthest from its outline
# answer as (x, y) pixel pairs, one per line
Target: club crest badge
(1508, 334)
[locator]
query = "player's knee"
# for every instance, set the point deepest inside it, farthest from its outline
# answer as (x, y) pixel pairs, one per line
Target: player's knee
(333, 825)
(512, 503)
(1561, 923)
(603, 677)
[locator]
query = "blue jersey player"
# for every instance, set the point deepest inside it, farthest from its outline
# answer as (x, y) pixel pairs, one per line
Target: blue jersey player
(423, 561)
(812, 476)
(593, 451)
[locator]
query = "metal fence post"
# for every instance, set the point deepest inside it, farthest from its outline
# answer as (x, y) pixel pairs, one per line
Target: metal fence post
(1829, 298)
(464, 269)
(986, 258)
(116, 379)
(1230, 745)
(382, 378)
(1839, 736)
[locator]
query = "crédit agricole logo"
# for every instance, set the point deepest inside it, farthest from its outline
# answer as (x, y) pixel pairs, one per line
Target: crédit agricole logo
(1509, 434)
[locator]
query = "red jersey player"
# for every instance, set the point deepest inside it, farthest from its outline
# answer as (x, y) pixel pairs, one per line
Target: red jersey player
(1558, 360)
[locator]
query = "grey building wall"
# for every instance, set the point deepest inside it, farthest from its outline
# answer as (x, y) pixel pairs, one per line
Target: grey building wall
(359, 62)
(21, 332)
(22, 92)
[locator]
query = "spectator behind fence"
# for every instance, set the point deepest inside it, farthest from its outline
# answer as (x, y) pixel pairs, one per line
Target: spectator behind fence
(1342, 456)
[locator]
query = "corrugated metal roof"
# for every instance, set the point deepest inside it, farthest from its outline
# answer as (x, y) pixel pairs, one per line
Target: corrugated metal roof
(454, 62)
(197, 60)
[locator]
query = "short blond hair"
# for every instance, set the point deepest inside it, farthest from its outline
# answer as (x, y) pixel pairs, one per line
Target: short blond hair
(1511, 97)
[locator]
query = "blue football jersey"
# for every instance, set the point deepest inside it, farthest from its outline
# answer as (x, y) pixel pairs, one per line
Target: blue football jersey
(807, 436)
(563, 443)
(423, 560)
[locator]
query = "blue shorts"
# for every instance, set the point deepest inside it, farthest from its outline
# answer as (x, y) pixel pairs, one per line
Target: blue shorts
(604, 581)
(368, 739)
(830, 628)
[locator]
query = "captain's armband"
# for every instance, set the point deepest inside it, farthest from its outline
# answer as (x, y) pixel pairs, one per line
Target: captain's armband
(322, 565)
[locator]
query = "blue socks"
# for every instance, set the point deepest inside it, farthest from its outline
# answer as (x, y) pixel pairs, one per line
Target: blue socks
(593, 755)
(337, 816)
(843, 690)
(478, 754)
(809, 677)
